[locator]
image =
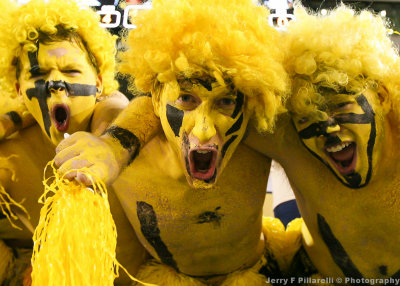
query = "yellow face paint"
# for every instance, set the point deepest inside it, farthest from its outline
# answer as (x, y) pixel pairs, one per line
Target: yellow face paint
(58, 84)
(349, 142)
(204, 122)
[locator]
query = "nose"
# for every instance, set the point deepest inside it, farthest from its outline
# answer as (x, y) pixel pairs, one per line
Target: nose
(333, 126)
(204, 128)
(56, 86)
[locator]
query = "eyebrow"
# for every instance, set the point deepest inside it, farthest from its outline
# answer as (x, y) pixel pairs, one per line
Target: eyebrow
(76, 66)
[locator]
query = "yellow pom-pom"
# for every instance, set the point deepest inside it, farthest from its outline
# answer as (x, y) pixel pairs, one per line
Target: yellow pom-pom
(75, 240)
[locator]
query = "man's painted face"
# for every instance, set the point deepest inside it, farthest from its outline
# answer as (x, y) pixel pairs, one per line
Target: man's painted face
(347, 141)
(58, 84)
(204, 122)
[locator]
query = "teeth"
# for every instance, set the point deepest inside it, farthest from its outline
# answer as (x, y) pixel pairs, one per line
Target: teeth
(202, 151)
(338, 147)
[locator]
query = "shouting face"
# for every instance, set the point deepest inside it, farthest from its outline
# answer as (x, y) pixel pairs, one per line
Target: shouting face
(204, 122)
(59, 84)
(349, 140)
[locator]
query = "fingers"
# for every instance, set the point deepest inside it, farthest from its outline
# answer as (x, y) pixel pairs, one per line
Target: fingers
(71, 140)
(66, 154)
(85, 179)
(69, 167)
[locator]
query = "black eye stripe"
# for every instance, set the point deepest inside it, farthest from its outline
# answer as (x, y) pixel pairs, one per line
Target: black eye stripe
(236, 126)
(319, 128)
(175, 118)
(239, 104)
(227, 144)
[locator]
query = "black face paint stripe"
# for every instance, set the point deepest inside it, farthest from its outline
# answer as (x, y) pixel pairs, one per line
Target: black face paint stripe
(74, 89)
(149, 227)
(127, 139)
(319, 128)
(236, 126)
(41, 93)
(33, 60)
(227, 144)
(367, 108)
(15, 118)
(175, 118)
(206, 84)
(78, 89)
(338, 253)
(352, 118)
(314, 130)
(239, 104)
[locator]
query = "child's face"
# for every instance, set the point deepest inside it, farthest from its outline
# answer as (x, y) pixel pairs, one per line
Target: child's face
(59, 85)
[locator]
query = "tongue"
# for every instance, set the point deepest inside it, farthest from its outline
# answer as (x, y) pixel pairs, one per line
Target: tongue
(345, 154)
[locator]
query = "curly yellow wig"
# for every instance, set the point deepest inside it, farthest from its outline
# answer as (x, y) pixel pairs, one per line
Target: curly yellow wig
(227, 39)
(342, 52)
(24, 26)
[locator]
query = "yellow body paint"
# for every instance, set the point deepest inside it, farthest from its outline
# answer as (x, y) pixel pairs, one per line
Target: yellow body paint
(221, 218)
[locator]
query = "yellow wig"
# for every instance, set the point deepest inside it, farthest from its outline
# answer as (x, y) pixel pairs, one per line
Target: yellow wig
(344, 52)
(23, 25)
(7, 103)
(227, 39)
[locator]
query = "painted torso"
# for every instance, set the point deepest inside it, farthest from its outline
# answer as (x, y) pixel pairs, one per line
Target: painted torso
(363, 221)
(201, 232)
(32, 151)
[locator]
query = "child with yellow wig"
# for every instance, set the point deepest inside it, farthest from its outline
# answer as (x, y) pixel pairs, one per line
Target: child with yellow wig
(194, 194)
(57, 64)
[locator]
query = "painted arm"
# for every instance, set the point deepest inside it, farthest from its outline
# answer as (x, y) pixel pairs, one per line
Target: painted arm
(15, 120)
(108, 154)
(106, 110)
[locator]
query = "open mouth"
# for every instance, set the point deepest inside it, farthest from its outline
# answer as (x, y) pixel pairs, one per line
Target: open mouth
(202, 162)
(60, 115)
(343, 156)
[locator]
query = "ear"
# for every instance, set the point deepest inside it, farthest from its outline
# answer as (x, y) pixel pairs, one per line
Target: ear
(384, 98)
(99, 86)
